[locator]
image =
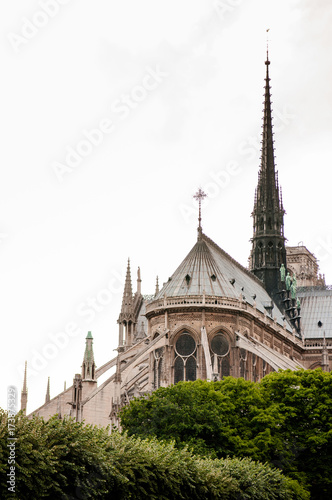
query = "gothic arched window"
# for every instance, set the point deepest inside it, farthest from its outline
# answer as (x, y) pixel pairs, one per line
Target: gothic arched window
(260, 254)
(270, 251)
(279, 254)
(220, 355)
(185, 364)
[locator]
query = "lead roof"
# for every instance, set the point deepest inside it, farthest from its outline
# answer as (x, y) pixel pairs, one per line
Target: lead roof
(209, 269)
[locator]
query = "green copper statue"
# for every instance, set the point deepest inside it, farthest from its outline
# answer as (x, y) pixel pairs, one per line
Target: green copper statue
(288, 281)
(282, 272)
(293, 290)
(298, 303)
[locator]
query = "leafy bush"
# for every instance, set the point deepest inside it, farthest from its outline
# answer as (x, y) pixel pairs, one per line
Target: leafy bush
(63, 459)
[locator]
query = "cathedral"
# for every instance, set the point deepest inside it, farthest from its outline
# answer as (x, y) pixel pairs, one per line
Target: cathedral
(213, 318)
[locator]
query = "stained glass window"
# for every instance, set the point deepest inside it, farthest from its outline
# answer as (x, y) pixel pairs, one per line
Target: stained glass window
(220, 345)
(185, 365)
(185, 345)
(191, 368)
(178, 370)
(225, 368)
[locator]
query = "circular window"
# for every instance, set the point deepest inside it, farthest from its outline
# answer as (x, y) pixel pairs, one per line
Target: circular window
(185, 345)
(219, 345)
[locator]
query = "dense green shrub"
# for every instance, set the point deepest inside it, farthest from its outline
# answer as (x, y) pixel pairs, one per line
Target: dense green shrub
(62, 459)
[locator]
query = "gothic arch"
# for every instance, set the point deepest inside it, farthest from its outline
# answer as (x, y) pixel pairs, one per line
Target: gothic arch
(226, 331)
(317, 364)
(181, 329)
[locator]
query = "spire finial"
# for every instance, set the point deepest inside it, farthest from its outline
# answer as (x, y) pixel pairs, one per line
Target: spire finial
(48, 397)
(267, 62)
(157, 287)
(25, 377)
(24, 393)
(128, 292)
(200, 195)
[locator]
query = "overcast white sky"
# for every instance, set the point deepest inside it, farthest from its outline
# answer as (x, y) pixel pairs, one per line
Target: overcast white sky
(176, 90)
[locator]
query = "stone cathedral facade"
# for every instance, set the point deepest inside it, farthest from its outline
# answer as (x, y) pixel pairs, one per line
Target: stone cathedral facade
(213, 317)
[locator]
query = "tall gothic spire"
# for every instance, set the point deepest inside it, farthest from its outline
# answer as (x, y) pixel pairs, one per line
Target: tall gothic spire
(127, 300)
(268, 187)
(24, 393)
(268, 249)
(88, 365)
(127, 315)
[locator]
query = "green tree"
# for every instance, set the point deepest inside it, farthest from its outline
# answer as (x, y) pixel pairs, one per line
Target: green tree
(298, 416)
(285, 420)
(63, 459)
(54, 458)
(213, 418)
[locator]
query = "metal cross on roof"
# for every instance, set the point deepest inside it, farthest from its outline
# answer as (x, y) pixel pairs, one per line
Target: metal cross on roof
(200, 195)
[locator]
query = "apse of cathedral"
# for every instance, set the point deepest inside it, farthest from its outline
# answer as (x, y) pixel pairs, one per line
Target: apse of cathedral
(213, 317)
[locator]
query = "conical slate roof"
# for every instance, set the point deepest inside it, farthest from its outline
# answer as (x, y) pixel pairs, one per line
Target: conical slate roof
(209, 269)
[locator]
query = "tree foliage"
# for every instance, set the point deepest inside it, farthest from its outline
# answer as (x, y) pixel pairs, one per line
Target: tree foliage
(54, 457)
(285, 420)
(63, 459)
(298, 415)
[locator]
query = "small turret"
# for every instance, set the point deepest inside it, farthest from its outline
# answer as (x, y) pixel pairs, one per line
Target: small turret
(157, 287)
(88, 366)
(126, 315)
(127, 299)
(130, 308)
